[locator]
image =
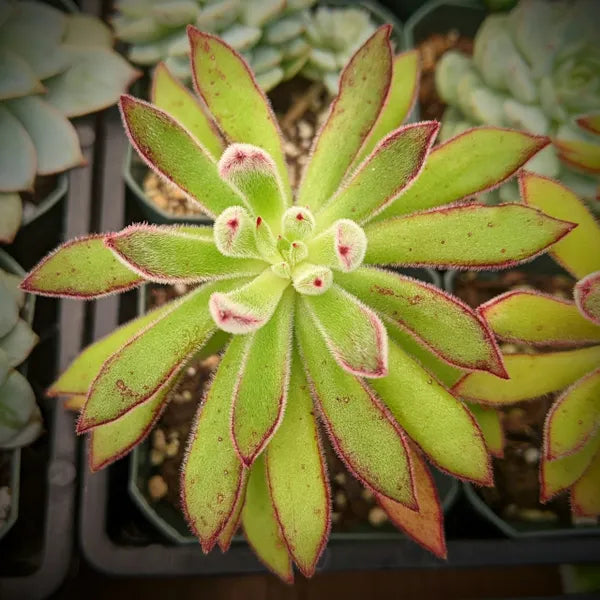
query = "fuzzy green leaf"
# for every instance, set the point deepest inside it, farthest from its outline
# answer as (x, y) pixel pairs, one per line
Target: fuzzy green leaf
(354, 418)
(17, 159)
(585, 500)
(212, 475)
(353, 333)
(557, 321)
(490, 423)
(169, 94)
(439, 423)
(54, 138)
(574, 418)
(560, 202)
(11, 213)
(579, 154)
(470, 163)
(235, 518)
(173, 254)
(249, 307)
(558, 475)
(261, 391)
(462, 237)
(81, 268)
(425, 525)
(250, 121)
(167, 147)
(341, 247)
(590, 122)
(394, 164)
(442, 323)
(560, 369)
(261, 526)
(150, 361)
(297, 477)
(399, 101)
(363, 87)
(587, 297)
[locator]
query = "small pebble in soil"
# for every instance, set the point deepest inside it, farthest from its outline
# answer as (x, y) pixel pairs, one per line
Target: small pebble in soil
(159, 440)
(305, 130)
(157, 488)
(340, 478)
(167, 197)
(156, 457)
(180, 289)
(172, 448)
(211, 362)
(191, 371)
(377, 516)
(340, 500)
(531, 456)
(367, 495)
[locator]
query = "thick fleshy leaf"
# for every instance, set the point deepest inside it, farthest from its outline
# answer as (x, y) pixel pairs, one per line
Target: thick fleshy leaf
(587, 297)
(81, 268)
(490, 423)
(233, 523)
(363, 87)
(425, 525)
(235, 233)
(439, 321)
(18, 343)
(354, 418)
(475, 161)
(249, 307)
(579, 154)
(297, 477)
(560, 370)
(574, 418)
(17, 159)
(11, 213)
(557, 321)
(175, 254)
(254, 172)
(399, 102)
(392, 167)
(94, 80)
(151, 360)
(261, 391)
(169, 149)
(590, 122)
(341, 247)
(560, 202)
(212, 476)
(261, 526)
(17, 78)
(585, 499)
(472, 236)
(439, 423)
(558, 475)
(169, 94)
(250, 120)
(54, 138)
(312, 280)
(353, 333)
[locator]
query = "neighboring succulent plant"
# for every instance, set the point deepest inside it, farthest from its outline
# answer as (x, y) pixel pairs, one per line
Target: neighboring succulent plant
(277, 38)
(296, 284)
(571, 453)
(53, 66)
(534, 69)
(20, 417)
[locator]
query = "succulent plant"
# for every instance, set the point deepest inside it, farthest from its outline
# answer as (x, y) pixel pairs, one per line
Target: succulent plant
(535, 68)
(54, 66)
(571, 329)
(277, 38)
(20, 417)
(296, 291)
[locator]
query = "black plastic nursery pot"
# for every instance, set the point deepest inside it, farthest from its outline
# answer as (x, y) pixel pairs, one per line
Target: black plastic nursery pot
(135, 170)
(36, 554)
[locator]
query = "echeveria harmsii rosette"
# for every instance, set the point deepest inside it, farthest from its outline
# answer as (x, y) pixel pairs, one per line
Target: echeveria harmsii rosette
(571, 328)
(314, 323)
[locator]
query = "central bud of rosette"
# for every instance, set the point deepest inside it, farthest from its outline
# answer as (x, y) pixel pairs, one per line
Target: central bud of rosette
(294, 247)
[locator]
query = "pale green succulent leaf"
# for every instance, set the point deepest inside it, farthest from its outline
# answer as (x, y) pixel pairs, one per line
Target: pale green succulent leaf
(354, 417)
(560, 369)
(259, 12)
(490, 423)
(9, 310)
(438, 422)
(174, 13)
(81, 268)
(363, 88)
(17, 159)
(464, 236)
(261, 526)
(18, 343)
(470, 163)
(442, 323)
(587, 297)
(297, 477)
(11, 214)
(87, 30)
(20, 417)
(17, 78)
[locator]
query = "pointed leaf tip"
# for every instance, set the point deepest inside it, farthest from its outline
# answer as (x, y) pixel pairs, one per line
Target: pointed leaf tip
(587, 297)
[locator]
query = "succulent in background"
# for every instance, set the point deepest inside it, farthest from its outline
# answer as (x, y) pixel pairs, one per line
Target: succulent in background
(536, 69)
(20, 417)
(297, 294)
(571, 328)
(277, 38)
(53, 66)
